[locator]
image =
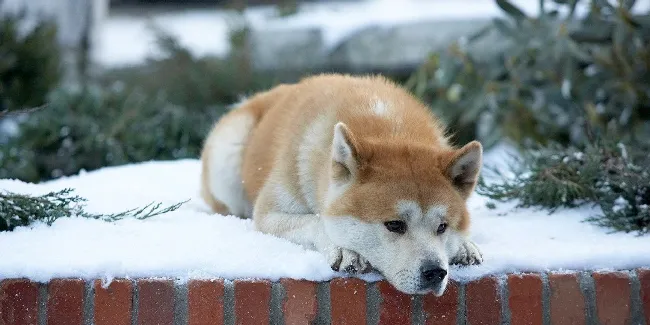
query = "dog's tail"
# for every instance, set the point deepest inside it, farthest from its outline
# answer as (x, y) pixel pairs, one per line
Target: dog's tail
(223, 150)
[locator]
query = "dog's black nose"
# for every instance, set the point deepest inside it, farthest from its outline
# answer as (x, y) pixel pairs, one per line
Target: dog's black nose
(432, 275)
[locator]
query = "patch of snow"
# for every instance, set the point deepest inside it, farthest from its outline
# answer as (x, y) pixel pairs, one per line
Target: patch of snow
(620, 204)
(8, 128)
(578, 155)
(127, 40)
(566, 89)
(591, 70)
(498, 160)
(187, 243)
(34, 10)
(623, 150)
(338, 21)
(193, 243)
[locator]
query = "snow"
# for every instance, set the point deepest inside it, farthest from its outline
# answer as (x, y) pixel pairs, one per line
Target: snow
(128, 40)
(566, 89)
(187, 243)
(620, 204)
(192, 243)
(340, 20)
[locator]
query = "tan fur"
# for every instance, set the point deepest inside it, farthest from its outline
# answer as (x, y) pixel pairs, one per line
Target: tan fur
(254, 107)
(399, 148)
(419, 137)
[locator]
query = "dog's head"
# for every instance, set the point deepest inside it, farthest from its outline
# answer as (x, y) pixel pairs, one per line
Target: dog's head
(402, 206)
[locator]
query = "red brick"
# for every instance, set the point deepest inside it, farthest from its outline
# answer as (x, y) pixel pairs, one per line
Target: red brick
(613, 297)
(300, 302)
(155, 302)
(65, 302)
(442, 310)
(205, 302)
(348, 301)
(644, 279)
(566, 300)
(483, 302)
(18, 302)
(113, 304)
(395, 306)
(252, 302)
(525, 299)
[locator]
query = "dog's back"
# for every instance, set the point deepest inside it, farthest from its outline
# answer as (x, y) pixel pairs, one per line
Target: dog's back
(288, 131)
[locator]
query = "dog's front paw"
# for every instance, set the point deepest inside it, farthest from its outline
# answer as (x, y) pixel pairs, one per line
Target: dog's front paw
(345, 260)
(468, 254)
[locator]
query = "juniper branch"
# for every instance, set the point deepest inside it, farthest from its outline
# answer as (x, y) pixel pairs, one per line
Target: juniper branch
(612, 176)
(7, 112)
(18, 210)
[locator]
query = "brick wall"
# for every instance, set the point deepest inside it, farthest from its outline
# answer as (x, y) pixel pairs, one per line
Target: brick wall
(576, 298)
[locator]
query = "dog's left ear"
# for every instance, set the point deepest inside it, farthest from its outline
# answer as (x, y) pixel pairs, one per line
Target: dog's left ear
(464, 167)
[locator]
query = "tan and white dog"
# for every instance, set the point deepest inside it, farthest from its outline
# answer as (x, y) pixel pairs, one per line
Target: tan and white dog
(353, 167)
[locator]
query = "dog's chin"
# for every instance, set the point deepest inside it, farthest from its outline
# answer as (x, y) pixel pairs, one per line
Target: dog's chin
(439, 291)
(436, 291)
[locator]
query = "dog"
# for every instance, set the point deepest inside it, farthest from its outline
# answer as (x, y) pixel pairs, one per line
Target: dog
(354, 167)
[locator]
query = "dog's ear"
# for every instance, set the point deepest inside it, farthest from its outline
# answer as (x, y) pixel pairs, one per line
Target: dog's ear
(464, 167)
(345, 154)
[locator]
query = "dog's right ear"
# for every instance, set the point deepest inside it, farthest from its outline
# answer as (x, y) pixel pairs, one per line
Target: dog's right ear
(464, 167)
(345, 154)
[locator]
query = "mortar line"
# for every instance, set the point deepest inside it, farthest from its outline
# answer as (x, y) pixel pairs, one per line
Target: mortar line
(504, 295)
(89, 302)
(546, 299)
(636, 309)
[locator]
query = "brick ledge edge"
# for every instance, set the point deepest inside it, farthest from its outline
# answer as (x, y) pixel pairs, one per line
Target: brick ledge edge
(620, 297)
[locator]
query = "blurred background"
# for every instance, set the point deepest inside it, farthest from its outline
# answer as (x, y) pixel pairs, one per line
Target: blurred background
(91, 83)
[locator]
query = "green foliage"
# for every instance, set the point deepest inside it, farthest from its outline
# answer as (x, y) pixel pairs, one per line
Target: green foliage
(89, 128)
(614, 176)
(201, 84)
(556, 84)
(159, 111)
(572, 90)
(287, 7)
(551, 78)
(549, 177)
(29, 63)
(18, 210)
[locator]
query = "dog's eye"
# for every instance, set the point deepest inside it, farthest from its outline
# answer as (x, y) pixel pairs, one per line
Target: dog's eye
(441, 229)
(396, 226)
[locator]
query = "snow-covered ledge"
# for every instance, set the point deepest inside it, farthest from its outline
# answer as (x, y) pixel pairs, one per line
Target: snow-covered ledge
(359, 36)
(191, 265)
(354, 36)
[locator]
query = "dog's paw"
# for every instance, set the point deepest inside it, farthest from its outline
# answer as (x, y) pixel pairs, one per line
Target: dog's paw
(468, 254)
(345, 260)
